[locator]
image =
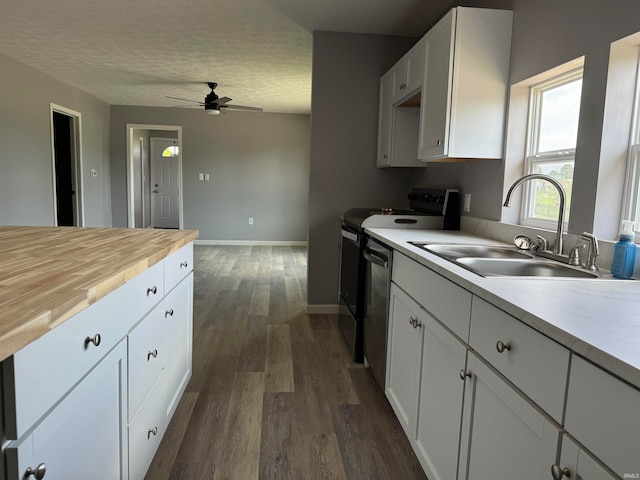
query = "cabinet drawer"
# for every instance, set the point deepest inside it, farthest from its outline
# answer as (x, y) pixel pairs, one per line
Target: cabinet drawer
(534, 363)
(177, 266)
(443, 299)
(146, 357)
(146, 290)
(603, 413)
(37, 376)
(146, 431)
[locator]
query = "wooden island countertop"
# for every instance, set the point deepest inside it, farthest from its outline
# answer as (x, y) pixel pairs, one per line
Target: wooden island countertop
(48, 274)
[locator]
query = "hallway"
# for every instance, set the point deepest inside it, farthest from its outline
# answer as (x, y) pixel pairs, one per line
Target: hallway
(274, 394)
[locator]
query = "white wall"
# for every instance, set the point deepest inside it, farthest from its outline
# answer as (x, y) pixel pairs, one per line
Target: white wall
(26, 175)
(258, 164)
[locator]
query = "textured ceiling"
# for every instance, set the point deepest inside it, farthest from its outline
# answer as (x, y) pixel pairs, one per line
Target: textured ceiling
(136, 53)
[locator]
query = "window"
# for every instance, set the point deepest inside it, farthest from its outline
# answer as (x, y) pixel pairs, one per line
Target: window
(554, 108)
(170, 151)
(631, 210)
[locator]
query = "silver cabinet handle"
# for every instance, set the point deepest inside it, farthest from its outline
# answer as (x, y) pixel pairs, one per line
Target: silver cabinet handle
(184, 264)
(38, 473)
(558, 473)
(168, 313)
(414, 322)
(153, 290)
(152, 431)
(464, 375)
(96, 339)
(439, 142)
(385, 156)
(152, 353)
(501, 346)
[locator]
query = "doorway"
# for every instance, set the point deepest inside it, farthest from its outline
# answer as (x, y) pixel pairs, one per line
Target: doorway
(165, 154)
(66, 166)
(154, 157)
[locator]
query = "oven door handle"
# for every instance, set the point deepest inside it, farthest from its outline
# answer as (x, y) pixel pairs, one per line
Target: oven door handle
(370, 256)
(354, 237)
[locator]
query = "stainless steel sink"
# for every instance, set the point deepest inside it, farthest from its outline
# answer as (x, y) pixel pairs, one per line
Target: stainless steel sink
(476, 251)
(503, 261)
(492, 267)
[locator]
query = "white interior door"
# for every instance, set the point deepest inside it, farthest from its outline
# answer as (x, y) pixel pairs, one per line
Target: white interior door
(165, 188)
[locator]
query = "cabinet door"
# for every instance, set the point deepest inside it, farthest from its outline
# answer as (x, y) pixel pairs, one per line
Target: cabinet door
(384, 121)
(178, 328)
(415, 65)
(399, 80)
(84, 436)
(436, 95)
(503, 436)
(440, 401)
(403, 352)
(576, 464)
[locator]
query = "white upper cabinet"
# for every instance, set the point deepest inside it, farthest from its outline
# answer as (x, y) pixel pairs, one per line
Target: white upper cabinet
(465, 87)
(399, 110)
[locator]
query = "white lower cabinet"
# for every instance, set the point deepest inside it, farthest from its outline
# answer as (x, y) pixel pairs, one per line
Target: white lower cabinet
(145, 431)
(178, 341)
(92, 398)
(84, 436)
(404, 346)
(577, 464)
(503, 435)
(440, 401)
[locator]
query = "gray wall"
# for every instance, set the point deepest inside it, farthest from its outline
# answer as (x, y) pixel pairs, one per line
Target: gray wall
(26, 181)
(547, 33)
(344, 131)
(258, 165)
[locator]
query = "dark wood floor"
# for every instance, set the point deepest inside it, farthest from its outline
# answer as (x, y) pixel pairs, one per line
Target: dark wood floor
(274, 394)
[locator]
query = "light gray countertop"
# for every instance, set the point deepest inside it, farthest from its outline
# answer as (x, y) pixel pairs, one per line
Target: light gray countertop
(599, 319)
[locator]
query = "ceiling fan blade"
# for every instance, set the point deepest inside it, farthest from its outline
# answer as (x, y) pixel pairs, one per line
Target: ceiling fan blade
(186, 106)
(243, 108)
(222, 100)
(184, 99)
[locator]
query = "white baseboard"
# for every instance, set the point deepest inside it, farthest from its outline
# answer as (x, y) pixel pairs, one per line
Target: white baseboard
(279, 243)
(322, 309)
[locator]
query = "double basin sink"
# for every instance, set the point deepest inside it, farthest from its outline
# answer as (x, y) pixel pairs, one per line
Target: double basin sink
(503, 261)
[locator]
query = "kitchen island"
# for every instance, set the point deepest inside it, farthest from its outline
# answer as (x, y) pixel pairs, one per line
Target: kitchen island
(96, 327)
(549, 367)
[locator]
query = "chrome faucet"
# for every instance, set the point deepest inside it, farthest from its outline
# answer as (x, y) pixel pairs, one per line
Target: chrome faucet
(557, 246)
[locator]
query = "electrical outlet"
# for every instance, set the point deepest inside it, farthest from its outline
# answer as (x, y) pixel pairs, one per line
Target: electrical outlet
(94, 172)
(206, 177)
(250, 220)
(467, 202)
(201, 176)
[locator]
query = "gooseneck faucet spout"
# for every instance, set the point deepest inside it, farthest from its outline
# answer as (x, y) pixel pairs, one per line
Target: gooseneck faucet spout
(557, 247)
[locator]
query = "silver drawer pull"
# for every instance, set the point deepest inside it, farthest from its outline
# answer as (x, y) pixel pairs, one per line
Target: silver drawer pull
(558, 473)
(184, 264)
(414, 322)
(153, 290)
(38, 473)
(464, 375)
(152, 353)
(501, 346)
(168, 313)
(152, 431)
(96, 339)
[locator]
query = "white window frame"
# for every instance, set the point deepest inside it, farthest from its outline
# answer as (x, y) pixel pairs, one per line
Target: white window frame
(535, 157)
(631, 199)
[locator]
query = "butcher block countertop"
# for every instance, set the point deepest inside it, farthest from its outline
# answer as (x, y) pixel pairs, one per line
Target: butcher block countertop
(48, 274)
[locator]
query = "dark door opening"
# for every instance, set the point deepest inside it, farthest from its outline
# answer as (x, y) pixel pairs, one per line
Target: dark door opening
(63, 154)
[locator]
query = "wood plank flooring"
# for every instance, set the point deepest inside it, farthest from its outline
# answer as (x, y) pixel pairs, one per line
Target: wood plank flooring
(274, 394)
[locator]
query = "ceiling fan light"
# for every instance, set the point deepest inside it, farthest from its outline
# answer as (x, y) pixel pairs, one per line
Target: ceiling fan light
(212, 111)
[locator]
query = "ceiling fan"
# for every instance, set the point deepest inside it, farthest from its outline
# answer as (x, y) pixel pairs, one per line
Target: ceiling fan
(213, 104)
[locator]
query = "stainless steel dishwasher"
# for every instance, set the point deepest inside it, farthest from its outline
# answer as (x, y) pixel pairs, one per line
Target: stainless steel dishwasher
(378, 259)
